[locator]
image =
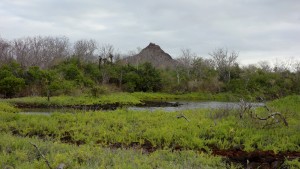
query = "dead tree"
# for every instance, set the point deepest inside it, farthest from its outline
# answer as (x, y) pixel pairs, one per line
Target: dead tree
(276, 117)
(106, 56)
(275, 120)
(84, 50)
(245, 107)
(224, 61)
(186, 60)
(5, 51)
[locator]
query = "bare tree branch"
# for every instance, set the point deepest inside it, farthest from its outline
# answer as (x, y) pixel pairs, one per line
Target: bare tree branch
(183, 116)
(84, 50)
(224, 61)
(41, 154)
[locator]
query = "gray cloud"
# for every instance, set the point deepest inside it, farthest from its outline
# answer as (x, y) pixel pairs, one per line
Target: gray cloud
(258, 29)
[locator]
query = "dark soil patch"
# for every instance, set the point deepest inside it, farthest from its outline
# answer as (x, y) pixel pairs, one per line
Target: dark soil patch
(249, 160)
(257, 159)
(93, 107)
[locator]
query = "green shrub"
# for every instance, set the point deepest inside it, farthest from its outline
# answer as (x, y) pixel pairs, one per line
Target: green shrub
(8, 108)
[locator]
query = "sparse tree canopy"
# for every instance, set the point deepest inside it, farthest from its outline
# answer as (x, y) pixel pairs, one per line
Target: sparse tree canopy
(224, 60)
(85, 50)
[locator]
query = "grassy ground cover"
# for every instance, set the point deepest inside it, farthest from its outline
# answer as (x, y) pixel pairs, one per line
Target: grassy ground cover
(214, 128)
(158, 129)
(8, 108)
(121, 98)
(204, 130)
(18, 152)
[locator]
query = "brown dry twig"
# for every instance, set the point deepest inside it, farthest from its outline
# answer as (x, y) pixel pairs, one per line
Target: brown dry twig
(183, 116)
(42, 155)
(272, 115)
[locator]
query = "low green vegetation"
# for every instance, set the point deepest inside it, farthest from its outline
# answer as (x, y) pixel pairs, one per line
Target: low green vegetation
(119, 138)
(8, 108)
(122, 98)
(17, 152)
(158, 129)
(131, 139)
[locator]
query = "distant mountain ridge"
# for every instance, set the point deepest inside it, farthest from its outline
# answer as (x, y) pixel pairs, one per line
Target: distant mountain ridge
(154, 55)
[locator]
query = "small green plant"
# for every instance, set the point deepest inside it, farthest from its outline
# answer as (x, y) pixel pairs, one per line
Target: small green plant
(7, 108)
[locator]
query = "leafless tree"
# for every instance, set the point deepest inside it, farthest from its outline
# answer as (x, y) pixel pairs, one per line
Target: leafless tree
(22, 52)
(284, 65)
(132, 53)
(186, 60)
(296, 67)
(106, 52)
(52, 50)
(224, 60)
(85, 50)
(106, 56)
(265, 66)
(201, 66)
(40, 51)
(58, 49)
(5, 51)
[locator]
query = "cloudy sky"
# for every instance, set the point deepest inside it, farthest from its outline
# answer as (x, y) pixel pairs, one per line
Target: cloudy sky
(257, 29)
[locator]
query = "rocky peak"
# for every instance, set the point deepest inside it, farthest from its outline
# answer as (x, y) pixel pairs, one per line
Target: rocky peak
(154, 55)
(152, 46)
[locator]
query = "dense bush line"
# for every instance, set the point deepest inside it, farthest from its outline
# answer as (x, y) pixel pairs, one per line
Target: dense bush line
(41, 66)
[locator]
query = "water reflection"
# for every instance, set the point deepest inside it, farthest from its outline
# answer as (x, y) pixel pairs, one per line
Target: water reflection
(187, 105)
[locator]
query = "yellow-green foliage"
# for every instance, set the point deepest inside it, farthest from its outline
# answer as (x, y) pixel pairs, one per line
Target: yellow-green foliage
(289, 103)
(293, 164)
(18, 152)
(8, 108)
(121, 98)
(161, 129)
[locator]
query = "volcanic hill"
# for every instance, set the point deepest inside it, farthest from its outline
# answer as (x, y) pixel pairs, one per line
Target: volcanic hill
(154, 55)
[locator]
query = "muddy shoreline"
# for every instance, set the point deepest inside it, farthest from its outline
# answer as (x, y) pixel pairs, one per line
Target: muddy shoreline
(94, 107)
(257, 158)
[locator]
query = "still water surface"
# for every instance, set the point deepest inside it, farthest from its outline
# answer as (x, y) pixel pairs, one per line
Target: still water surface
(187, 105)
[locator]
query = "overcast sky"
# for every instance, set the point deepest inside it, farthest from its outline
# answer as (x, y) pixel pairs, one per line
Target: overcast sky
(257, 29)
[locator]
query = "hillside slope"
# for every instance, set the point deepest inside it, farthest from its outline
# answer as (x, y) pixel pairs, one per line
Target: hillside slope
(154, 55)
